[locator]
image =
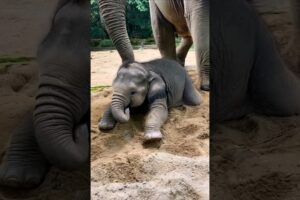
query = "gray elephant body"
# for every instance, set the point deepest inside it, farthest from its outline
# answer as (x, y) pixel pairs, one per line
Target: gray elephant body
(160, 84)
(56, 131)
(190, 20)
(248, 73)
(174, 77)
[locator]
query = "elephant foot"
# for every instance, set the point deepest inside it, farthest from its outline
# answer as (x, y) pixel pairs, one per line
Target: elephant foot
(23, 171)
(152, 136)
(106, 124)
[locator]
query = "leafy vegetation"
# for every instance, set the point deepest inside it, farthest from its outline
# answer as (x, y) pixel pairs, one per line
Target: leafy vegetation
(137, 20)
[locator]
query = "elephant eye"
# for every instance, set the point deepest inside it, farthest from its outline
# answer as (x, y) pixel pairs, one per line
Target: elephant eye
(133, 93)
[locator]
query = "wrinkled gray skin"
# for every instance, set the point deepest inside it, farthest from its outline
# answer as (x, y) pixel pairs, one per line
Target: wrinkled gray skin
(159, 84)
(56, 132)
(247, 71)
(187, 18)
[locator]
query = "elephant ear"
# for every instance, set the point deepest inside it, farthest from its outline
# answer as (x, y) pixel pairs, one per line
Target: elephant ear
(157, 88)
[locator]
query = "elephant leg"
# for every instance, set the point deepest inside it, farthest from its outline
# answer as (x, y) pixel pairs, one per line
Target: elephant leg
(155, 119)
(295, 8)
(107, 122)
(183, 49)
(190, 95)
(163, 32)
(278, 94)
(24, 166)
(197, 15)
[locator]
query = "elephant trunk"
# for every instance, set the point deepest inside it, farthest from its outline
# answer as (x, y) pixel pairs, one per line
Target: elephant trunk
(113, 16)
(57, 110)
(118, 107)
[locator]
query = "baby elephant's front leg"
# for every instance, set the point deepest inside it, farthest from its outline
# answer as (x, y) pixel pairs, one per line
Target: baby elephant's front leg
(156, 118)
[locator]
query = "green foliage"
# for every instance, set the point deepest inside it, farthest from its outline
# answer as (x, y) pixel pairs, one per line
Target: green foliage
(137, 20)
(97, 30)
(99, 88)
(141, 5)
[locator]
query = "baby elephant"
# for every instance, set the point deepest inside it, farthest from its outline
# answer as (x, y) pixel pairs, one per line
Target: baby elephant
(158, 84)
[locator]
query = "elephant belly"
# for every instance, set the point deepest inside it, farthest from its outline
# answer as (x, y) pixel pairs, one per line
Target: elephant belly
(173, 12)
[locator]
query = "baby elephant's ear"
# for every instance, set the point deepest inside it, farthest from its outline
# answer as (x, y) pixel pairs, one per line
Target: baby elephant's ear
(157, 88)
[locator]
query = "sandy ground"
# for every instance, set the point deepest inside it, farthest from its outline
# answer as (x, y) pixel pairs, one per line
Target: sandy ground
(125, 168)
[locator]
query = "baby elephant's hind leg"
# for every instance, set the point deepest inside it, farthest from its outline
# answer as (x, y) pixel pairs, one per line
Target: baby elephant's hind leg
(23, 166)
(107, 122)
(155, 119)
(190, 95)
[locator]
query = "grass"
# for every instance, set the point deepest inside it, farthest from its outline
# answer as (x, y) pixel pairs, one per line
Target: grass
(99, 88)
(106, 44)
(15, 60)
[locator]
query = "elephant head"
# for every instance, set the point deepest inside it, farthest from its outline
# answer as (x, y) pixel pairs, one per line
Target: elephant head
(63, 97)
(130, 89)
(113, 15)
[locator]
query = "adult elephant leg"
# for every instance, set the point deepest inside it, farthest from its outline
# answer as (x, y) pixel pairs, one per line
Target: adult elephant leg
(24, 166)
(163, 32)
(183, 49)
(295, 8)
(274, 88)
(197, 13)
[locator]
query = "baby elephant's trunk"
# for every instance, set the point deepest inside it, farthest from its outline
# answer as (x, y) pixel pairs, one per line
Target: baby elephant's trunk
(118, 107)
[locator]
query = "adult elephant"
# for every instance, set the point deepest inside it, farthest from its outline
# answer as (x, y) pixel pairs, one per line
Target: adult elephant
(56, 131)
(187, 18)
(248, 73)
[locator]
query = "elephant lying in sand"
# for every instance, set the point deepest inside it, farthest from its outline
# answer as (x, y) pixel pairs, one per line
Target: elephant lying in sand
(187, 18)
(56, 132)
(158, 84)
(248, 74)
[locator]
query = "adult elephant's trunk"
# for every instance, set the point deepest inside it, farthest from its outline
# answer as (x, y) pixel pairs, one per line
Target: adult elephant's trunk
(113, 16)
(118, 107)
(59, 110)
(63, 98)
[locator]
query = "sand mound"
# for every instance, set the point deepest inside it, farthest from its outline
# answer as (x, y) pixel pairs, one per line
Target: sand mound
(157, 176)
(258, 157)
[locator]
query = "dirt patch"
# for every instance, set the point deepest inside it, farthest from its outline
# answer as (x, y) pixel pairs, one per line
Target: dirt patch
(257, 162)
